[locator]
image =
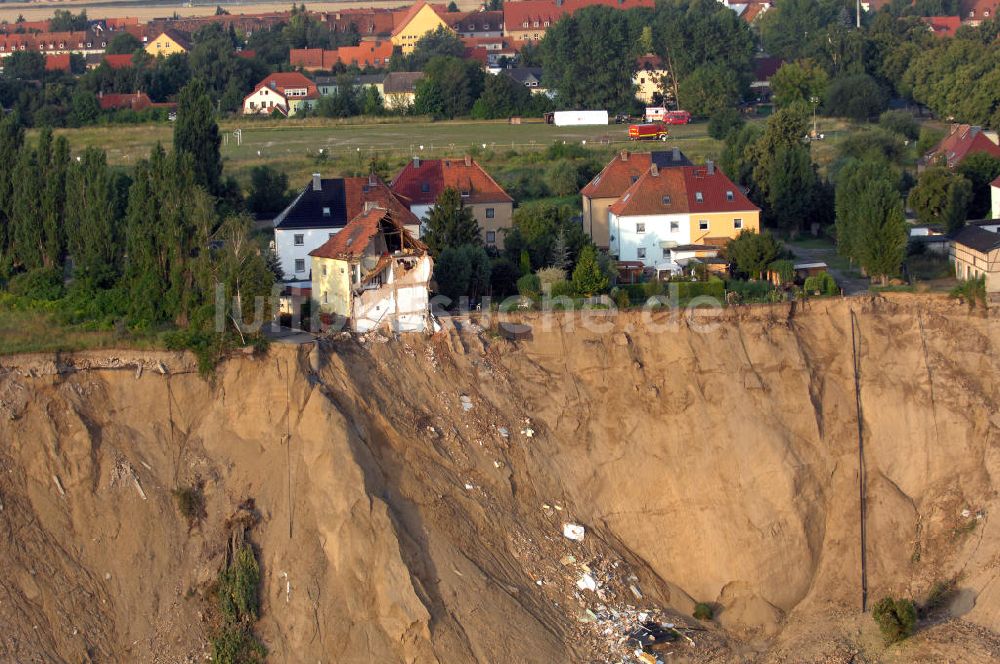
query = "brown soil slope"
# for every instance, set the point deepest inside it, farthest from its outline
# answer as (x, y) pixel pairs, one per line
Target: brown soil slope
(412, 491)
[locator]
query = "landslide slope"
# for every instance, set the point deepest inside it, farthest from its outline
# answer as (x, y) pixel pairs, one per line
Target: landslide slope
(412, 491)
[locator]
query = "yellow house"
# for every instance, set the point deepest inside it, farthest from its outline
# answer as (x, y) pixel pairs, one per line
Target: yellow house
(167, 43)
(649, 78)
(417, 22)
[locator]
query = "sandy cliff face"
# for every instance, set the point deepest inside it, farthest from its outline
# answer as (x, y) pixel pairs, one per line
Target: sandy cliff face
(401, 522)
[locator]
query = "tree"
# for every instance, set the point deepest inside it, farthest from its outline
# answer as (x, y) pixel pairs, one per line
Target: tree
(535, 229)
(896, 618)
(240, 268)
(980, 169)
(901, 123)
(799, 81)
(941, 198)
(449, 88)
(268, 190)
(588, 279)
(122, 44)
(450, 224)
(11, 142)
(85, 109)
(463, 271)
(64, 20)
(882, 236)
(784, 130)
(24, 66)
(710, 88)
(750, 253)
(94, 234)
(857, 96)
(26, 237)
(724, 122)
(560, 251)
(502, 97)
(197, 134)
(440, 42)
(53, 159)
(790, 182)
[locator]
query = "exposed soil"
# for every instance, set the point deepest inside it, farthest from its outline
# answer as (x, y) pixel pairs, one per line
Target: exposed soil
(413, 491)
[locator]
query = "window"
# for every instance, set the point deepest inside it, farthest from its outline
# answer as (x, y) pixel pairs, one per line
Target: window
(330, 235)
(491, 237)
(465, 193)
(703, 225)
(729, 195)
(666, 200)
(641, 252)
(675, 226)
(326, 212)
(299, 239)
(640, 228)
(698, 197)
(737, 223)
(490, 213)
(300, 265)
(326, 297)
(425, 187)
(635, 178)
(324, 269)
(642, 80)
(524, 25)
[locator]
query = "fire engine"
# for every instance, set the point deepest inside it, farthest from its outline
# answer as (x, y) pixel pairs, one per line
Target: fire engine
(654, 131)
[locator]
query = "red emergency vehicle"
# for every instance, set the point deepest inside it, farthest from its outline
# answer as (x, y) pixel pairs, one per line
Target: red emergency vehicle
(652, 131)
(677, 117)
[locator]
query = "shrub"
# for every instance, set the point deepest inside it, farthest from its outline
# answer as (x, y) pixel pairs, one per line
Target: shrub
(529, 286)
(821, 284)
(236, 644)
(238, 587)
(971, 292)
(562, 288)
(703, 611)
(725, 121)
(896, 618)
(548, 276)
(784, 268)
(622, 299)
(900, 122)
(41, 284)
(191, 502)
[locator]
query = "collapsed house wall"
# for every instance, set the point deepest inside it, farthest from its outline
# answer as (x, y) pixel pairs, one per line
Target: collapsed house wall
(402, 303)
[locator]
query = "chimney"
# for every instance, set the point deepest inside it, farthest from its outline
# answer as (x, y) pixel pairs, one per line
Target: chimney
(654, 171)
(416, 162)
(372, 180)
(624, 155)
(676, 156)
(369, 206)
(317, 182)
(710, 166)
(468, 160)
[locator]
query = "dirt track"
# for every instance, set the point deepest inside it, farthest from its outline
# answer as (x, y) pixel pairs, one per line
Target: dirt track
(405, 523)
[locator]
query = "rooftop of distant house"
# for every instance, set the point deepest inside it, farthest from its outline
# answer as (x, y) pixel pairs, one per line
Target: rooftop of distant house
(423, 180)
(626, 167)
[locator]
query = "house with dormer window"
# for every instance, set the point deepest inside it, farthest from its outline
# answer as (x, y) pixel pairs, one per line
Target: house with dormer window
(282, 92)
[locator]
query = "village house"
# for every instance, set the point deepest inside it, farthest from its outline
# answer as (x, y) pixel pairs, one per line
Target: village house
(527, 20)
(995, 198)
(417, 22)
(529, 77)
(322, 209)
(168, 42)
(422, 180)
(374, 54)
(961, 141)
(613, 180)
(282, 92)
(84, 42)
(649, 78)
(667, 209)
(399, 89)
(477, 24)
(137, 101)
(975, 253)
(373, 273)
(364, 21)
(330, 85)
(942, 26)
(974, 12)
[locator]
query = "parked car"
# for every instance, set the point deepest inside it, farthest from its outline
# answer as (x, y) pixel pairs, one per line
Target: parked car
(652, 131)
(677, 117)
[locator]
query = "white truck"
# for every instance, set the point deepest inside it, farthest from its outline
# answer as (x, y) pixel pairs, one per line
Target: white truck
(579, 118)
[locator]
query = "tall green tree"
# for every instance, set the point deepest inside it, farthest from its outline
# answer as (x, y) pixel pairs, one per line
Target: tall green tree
(197, 134)
(799, 81)
(750, 253)
(882, 235)
(54, 162)
(27, 238)
(941, 197)
(450, 223)
(588, 278)
(94, 233)
(11, 141)
(980, 169)
(449, 88)
(790, 183)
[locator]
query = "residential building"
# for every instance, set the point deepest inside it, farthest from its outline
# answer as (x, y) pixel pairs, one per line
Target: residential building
(374, 54)
(121, 61)
(528, 20)
(322, 209)
(59, 62)
(975, 253)
(974, 12)
(649, 78)
(168, 42)
(330, 85)
(764, 67)
(995, 198)
(374, 273)
(613, 181)
(137, 101)
(281, 92)
(670, 208)
(363, 21)
(961, 141)
(417, 22)
(54, 43)
(475, 24)
(422, 180)
(529, 77)
(943, 26)
(399, 89)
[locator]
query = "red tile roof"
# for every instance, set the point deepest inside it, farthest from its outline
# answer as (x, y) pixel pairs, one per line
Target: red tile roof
(137, 101)
(371, 189)
(246, 53)
(764, 68)
(943, 26)
(657, 191)
(718, 193)
(477, 21)
(57, 62)
(374, 21)
(281, 81)
(355, 237)
(423, 180)
(620, 173)
(978, 10)
(123, 61)
(307, 58)
(961, 141)
(754, 10)
(649, 62)
(366, 54)
(996, 183)
(516, 14)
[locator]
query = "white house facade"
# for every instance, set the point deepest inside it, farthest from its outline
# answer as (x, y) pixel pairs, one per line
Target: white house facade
(647, 238)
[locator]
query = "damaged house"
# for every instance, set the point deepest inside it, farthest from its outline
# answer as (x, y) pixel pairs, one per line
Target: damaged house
(373, 273)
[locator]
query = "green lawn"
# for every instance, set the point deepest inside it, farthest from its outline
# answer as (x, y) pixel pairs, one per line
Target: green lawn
(294, 145)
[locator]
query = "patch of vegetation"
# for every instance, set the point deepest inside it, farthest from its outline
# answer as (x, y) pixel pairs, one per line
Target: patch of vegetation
(821, 284)
(191, 502)
(896, 618)
(703, 611)
(963, 529)
(972, 292)
(940, 594)
(238, 598)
